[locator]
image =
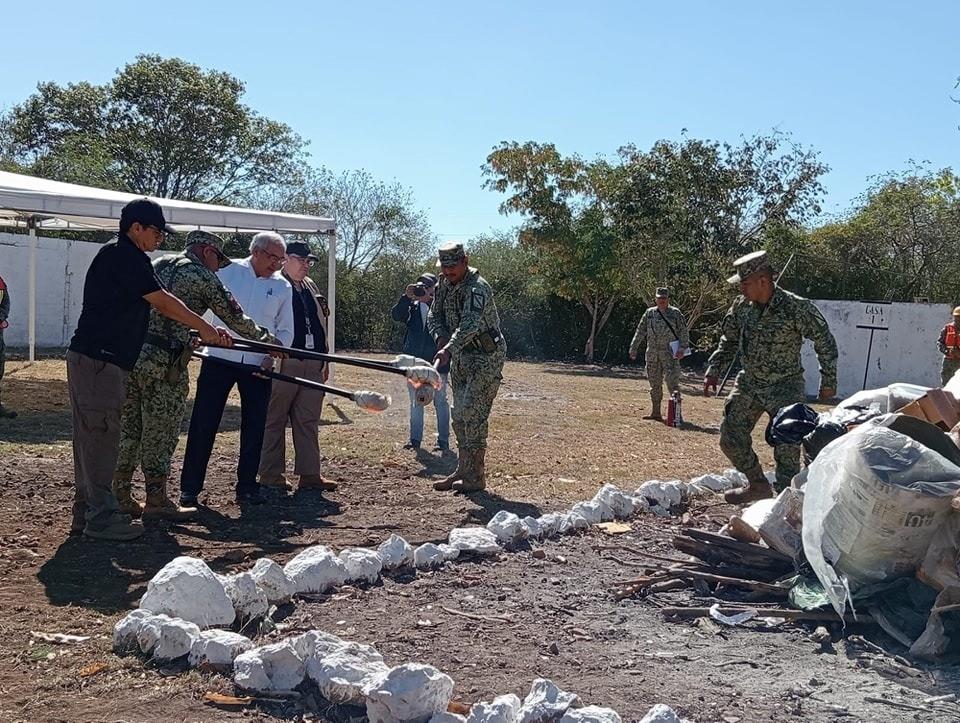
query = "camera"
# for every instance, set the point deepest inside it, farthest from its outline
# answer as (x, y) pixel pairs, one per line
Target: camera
(419, 289)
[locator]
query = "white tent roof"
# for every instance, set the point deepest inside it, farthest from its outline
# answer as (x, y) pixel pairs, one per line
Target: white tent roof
(63, 206)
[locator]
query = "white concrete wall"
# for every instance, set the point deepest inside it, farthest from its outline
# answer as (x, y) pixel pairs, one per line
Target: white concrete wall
(61, 267)
(907, 352)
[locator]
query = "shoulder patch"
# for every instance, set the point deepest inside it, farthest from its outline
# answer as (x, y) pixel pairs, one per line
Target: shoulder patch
(477, 300)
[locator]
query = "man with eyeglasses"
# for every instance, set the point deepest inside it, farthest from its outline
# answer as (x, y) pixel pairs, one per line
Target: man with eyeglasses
(290, 402)
(157, 389)
(119, 289)
(256, 284)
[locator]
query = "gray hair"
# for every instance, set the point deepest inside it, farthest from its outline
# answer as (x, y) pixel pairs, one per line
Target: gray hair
(264, 239)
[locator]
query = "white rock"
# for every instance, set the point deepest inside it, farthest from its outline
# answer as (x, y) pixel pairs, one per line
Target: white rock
(395, 552)
(591, 714)
(661, 713)
(507, 527)
(640, 504)
(550, 523)
(269, 668)
(590, 511)
(735, 477)
(662, 494)
(410, 693)
(532, 527)
(217, 649)
(166, 638)
(476, 540)
(342, 674)
(448, 718)
(713, 482)
(273, 581)
(186, 588)
(545, 703)
(315, 643)
(503, 709)
(449, 552)
(361, 564)
(249, 600)
(573, 522)
(126, 629)
(428, 556)
(315, 569)
(620, 503)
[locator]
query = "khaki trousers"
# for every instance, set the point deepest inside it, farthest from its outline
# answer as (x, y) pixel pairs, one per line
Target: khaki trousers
(300, 407)
(97, 391)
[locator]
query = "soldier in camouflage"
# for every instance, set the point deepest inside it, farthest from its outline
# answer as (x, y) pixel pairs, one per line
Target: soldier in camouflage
(158, 386)
(766, 326)
(5, 412)
(464, 322)
(660, 326)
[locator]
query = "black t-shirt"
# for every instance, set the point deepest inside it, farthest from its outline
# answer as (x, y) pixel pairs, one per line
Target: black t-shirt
(305, 315)
(113, 321)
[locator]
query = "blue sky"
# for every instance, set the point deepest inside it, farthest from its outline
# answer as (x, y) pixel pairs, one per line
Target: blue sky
(420, 92)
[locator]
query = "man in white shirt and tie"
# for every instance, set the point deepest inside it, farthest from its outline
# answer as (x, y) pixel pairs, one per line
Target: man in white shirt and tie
(265, 296)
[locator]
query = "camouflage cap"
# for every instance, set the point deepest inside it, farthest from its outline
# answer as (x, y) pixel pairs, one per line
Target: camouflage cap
(663, 292)
(209, 239)
(451, 254)
(748, 265)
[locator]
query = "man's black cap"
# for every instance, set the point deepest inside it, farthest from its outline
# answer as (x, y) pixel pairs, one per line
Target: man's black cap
(299, 248)
(428, 279)
(145, 212)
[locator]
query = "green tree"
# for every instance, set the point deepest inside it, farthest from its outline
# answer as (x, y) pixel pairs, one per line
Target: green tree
(162, 127)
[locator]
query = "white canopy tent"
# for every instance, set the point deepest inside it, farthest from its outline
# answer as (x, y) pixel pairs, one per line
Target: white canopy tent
(36, 203)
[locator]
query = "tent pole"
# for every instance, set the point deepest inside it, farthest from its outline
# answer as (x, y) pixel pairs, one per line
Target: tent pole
(332, 293)
(32, 313)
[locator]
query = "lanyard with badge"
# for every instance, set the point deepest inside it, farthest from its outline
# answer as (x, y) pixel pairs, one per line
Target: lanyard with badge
(308, 342)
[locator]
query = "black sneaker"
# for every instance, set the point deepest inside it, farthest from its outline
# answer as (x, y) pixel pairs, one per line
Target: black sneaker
(441, 447)
(188, 500)
(412, 445)
(251, 498)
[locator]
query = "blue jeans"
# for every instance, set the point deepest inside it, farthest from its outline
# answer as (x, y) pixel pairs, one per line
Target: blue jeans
(443, 415)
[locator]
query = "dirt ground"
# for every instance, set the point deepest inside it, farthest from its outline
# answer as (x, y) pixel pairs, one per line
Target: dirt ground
(558, 433)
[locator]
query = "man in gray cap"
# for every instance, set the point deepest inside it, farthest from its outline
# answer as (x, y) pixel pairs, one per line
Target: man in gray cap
(157, 388)
(766, 326)
(665, 331)
(466, 326)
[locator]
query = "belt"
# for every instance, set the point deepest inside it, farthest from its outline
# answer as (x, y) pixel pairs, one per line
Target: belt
(164, 342)
(474, 344)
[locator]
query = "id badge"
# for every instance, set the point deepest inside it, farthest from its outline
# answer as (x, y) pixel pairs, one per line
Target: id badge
(308, 341)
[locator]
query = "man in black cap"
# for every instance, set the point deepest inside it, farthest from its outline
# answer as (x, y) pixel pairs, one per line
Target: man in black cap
(119, 289)
(412, 309)
(292, 403)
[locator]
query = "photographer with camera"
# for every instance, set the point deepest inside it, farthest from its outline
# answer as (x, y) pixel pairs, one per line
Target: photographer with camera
(412, 310)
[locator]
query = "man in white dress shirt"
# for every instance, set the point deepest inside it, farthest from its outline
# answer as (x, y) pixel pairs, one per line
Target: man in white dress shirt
(266, 298)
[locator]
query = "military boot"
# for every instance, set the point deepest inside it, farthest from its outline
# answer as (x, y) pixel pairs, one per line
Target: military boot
(462, 470)
(655, 412)
(161, 507)
(475, 479)
(758, 488)
(122, 484)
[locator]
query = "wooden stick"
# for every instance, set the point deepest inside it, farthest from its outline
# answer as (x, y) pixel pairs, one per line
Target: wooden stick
(737, 582)
(767, 612)
(897, 704)
(635, 551)
(475, 616)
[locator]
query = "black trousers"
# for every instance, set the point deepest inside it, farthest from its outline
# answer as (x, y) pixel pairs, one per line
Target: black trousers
(213, 388)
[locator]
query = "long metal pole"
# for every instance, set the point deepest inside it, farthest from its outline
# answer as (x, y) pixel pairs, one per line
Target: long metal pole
(32, 312)
(332, 296)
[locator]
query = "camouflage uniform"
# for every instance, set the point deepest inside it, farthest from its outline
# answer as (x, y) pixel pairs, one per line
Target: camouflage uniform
(659, 358)
(461, 314)
(158, 386)
(768, 339)
(951, 355)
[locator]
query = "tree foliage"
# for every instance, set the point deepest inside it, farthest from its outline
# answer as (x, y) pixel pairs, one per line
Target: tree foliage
(162, 127)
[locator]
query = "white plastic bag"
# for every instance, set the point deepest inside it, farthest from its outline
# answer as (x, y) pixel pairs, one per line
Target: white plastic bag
(873, 501)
